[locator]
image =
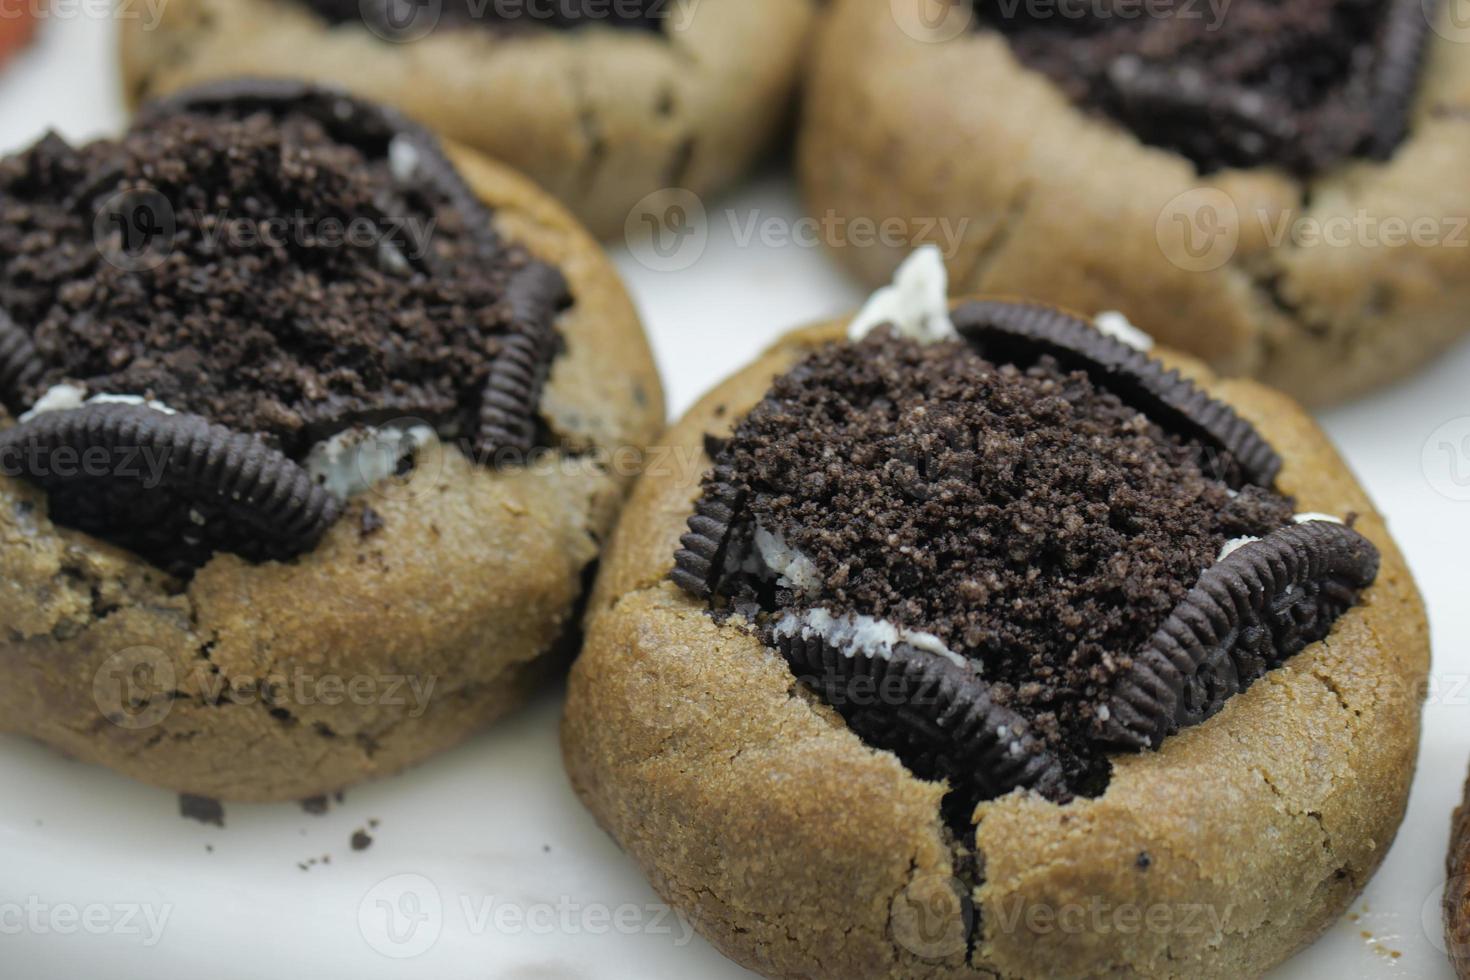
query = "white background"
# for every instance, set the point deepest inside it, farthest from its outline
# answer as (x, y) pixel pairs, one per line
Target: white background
(492, 830)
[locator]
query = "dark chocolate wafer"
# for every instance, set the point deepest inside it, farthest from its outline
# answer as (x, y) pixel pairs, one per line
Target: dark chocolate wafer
(513, 389)
(173, 488)
(1249, 613)
(700, 562)
(1021, 333)
(19, 362)
(937, 716)
(1396, 74)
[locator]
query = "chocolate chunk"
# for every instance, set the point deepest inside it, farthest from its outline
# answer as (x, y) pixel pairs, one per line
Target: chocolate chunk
(934, 714)
(1301, 84)
(699, 564)
(1248, 614)
(1021, 333)
(173, 488)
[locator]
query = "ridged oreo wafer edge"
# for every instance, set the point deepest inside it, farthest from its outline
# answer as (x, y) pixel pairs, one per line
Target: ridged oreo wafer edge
(19, 362)
(1238, 623)
(1397, 72)
(513, 389)
(1005, 330)
(273, 504)
(921, 699)
(700, 561)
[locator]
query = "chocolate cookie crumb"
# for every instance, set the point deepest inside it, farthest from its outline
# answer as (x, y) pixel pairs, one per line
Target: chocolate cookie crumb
(202, 808)
(316, 805)
(361, 840)
(997, 539)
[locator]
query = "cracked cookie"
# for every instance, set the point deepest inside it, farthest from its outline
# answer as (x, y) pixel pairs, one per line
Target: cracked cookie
(602, 104)
(1456, 907)
(307, 428)
(954, 650)
(1269, 186)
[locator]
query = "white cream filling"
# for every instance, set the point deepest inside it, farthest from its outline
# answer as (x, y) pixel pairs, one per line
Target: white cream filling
(916, 305)
(851, 634)
(354, 460)
(65, 397)
(403, 158)
(1117, 326)
(1233, 545)
(793, 569)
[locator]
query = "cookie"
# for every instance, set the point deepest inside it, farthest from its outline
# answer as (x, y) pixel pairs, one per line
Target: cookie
(1457, 892)
(601, 104)
(307, 438)
(1262, 186)
(844, 692)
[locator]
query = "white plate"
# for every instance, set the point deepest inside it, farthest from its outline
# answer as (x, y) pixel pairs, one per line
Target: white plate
(483, 864)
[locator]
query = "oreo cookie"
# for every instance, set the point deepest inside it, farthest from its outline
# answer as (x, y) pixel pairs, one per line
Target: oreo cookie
(19, 363)
(937, 716)
(507, 418)
(1249, 613)
(1300, 84)
(699, 564)
(1021, 333)
(172, 488)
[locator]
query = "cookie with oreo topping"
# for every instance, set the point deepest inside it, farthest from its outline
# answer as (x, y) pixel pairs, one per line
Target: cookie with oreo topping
(263, 312)
(622, 109)
(883, 639)
(1240, 180)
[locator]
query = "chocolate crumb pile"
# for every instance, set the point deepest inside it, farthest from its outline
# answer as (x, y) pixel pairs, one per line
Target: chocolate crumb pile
(390, 17)
(1035, 524)
(1301, 84)
(294, 284)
